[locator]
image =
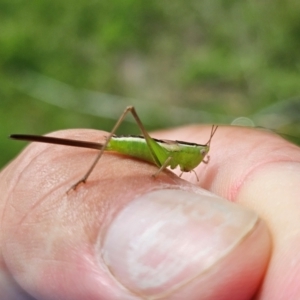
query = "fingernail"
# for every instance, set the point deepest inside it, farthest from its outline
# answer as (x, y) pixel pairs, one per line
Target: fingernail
(165, 238)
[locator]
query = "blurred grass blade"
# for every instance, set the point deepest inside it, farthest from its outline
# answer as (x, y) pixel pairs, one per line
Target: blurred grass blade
(57, 93)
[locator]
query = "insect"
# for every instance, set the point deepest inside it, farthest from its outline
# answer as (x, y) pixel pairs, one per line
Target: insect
(163, 153)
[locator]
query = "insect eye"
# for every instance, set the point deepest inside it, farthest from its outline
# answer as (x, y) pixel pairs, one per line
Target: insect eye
(203, 151)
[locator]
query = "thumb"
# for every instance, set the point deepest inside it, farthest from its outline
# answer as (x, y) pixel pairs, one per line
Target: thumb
(123, 234)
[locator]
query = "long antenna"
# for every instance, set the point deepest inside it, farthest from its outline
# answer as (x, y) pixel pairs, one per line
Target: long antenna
(213, 131)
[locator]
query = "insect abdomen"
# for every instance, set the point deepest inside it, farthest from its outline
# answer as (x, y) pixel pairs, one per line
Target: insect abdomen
(132, 146)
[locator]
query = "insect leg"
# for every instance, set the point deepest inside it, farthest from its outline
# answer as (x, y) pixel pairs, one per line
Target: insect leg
(91, 168)
(163, 166)
(193, 172)
(206, 160)
(143, 130)
(152, 145)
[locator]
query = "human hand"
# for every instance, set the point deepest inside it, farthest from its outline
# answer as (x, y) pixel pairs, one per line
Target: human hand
(124, 235)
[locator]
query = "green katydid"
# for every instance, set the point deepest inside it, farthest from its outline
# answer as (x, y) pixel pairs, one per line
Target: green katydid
(163, 153)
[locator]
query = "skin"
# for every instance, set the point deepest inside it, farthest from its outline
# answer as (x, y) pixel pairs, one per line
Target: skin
(86, 244)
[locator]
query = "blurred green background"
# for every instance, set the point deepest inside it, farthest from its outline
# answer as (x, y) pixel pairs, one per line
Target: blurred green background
(176, 61)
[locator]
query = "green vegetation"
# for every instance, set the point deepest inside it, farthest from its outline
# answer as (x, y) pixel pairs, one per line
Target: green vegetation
(224, 57)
